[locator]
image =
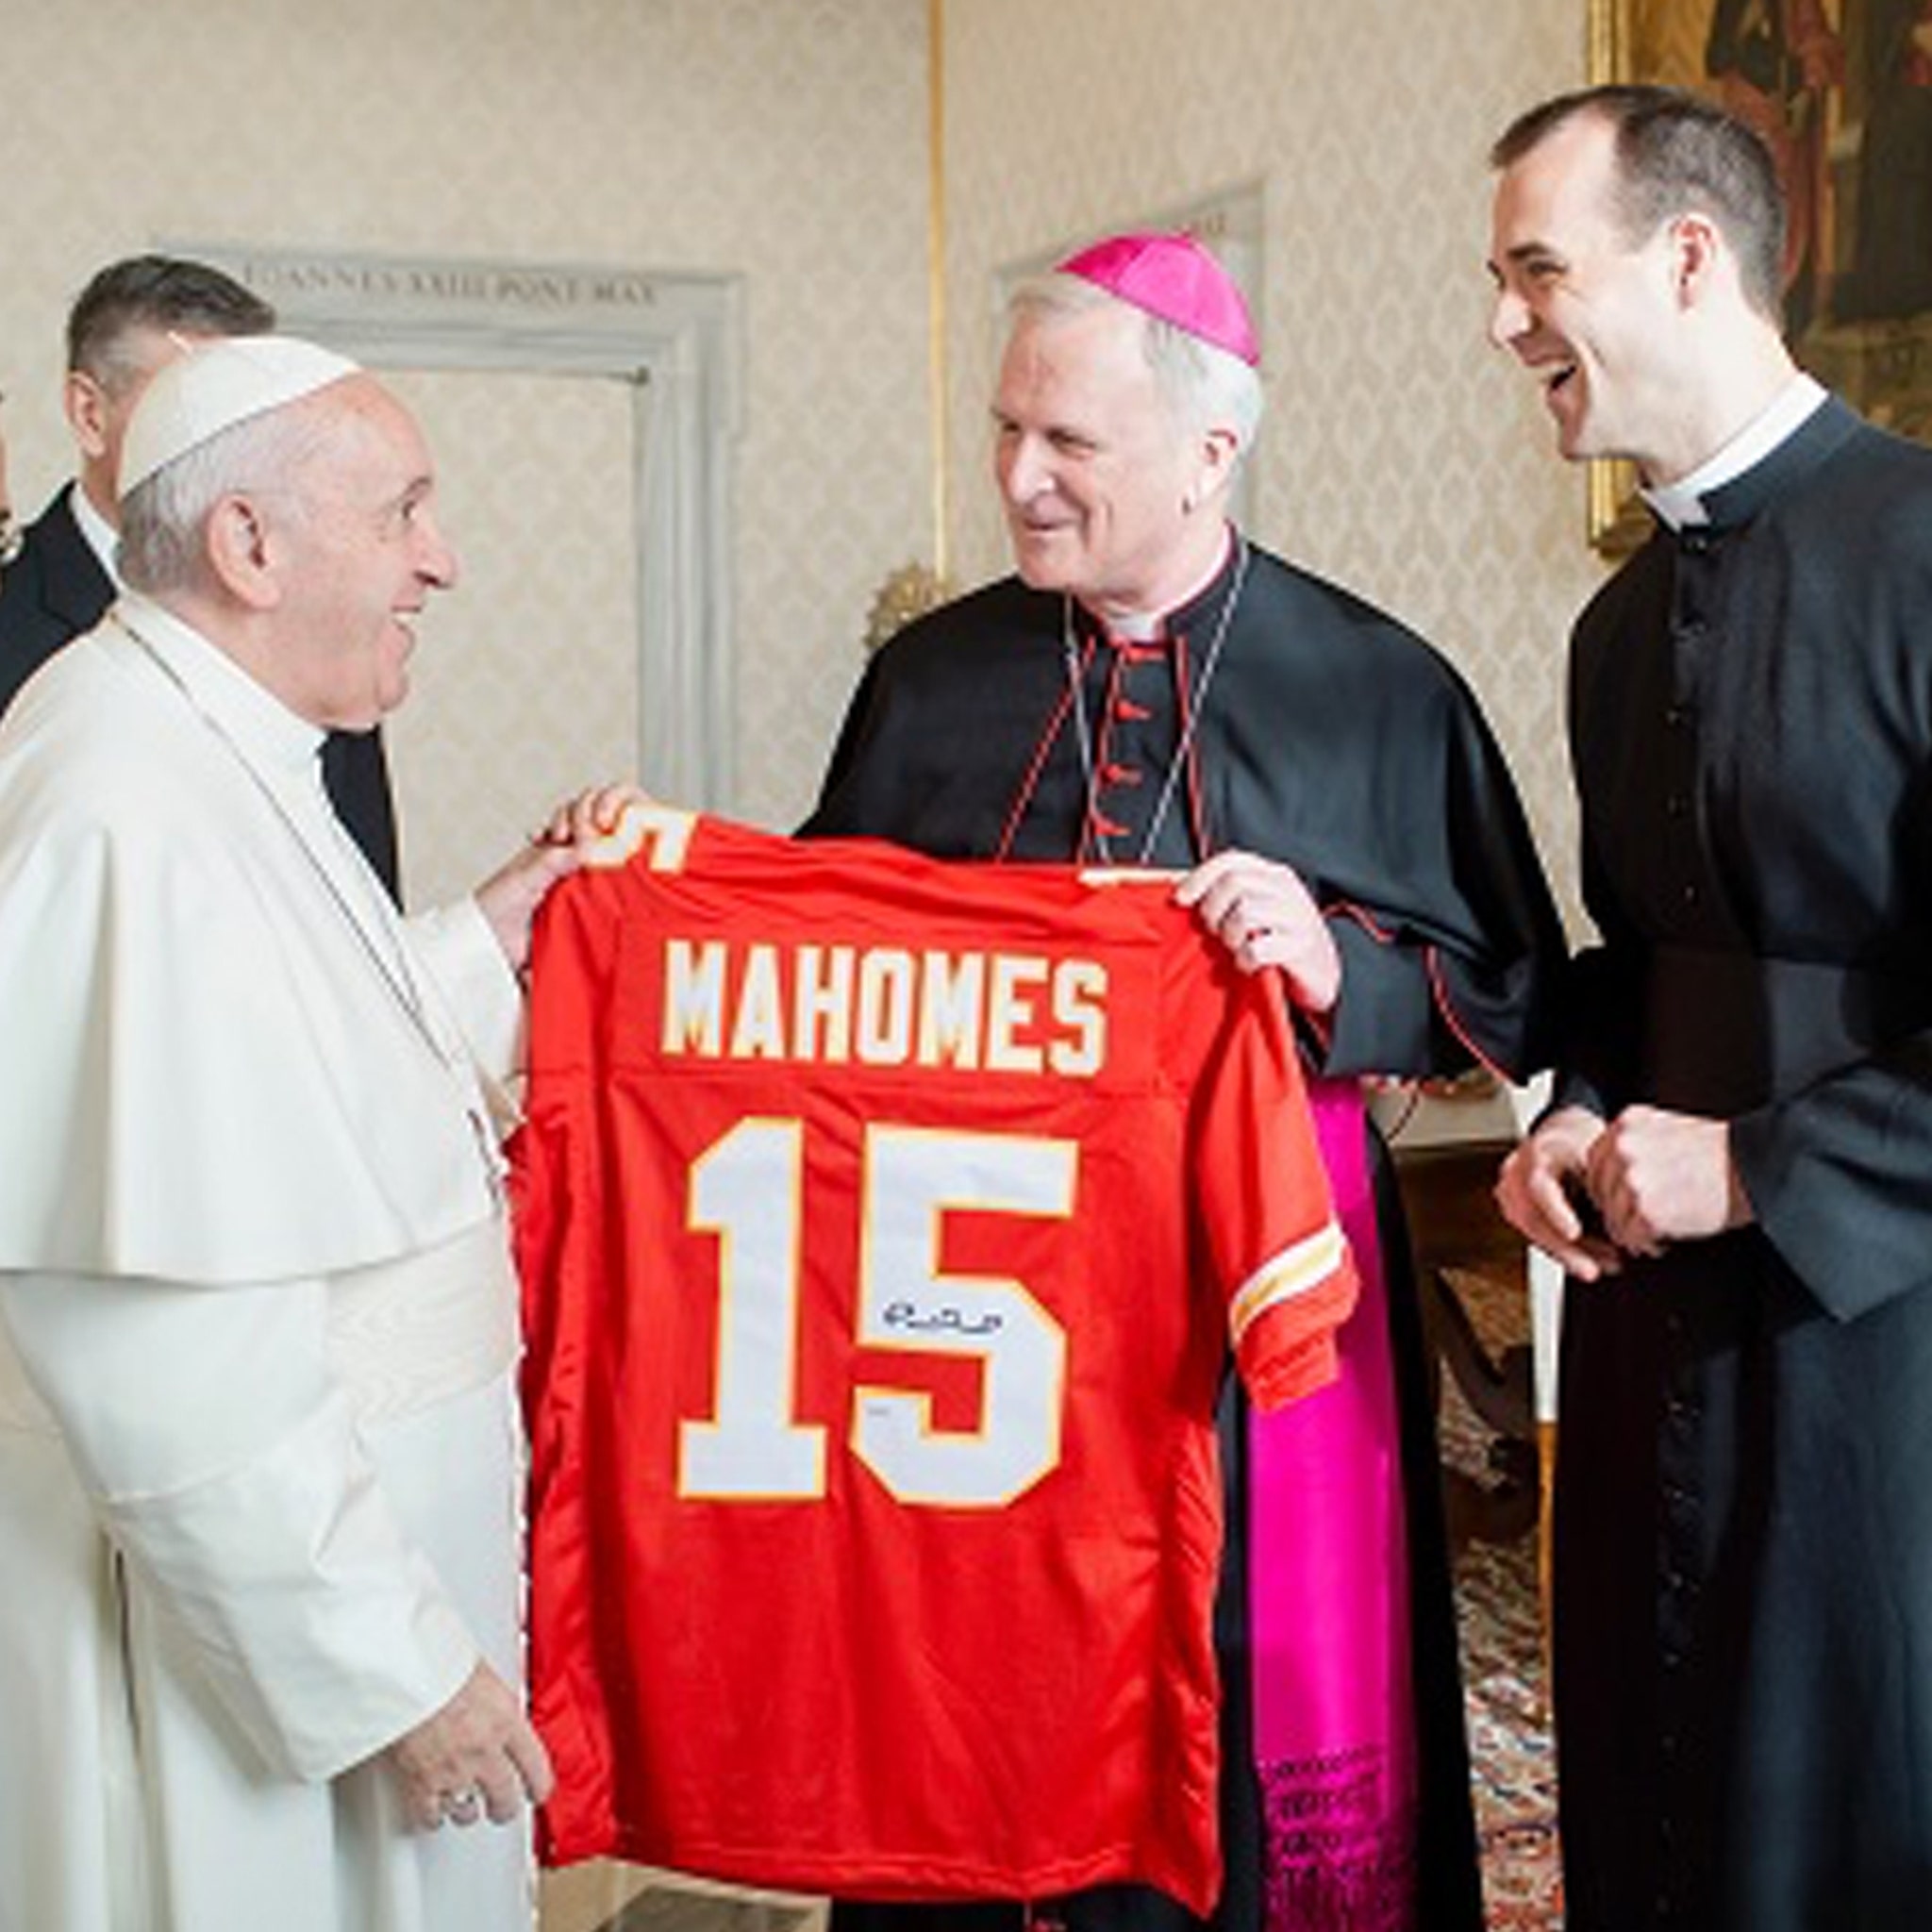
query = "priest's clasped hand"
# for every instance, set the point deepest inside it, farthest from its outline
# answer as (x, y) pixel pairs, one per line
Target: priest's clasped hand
(1589, 1194)
(1659, 1176)
(1543, 1192)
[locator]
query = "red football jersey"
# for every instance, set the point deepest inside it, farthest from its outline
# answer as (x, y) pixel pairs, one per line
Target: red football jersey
(885, 1229)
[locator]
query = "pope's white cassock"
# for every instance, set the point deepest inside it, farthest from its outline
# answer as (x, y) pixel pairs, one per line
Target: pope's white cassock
(258, 1460)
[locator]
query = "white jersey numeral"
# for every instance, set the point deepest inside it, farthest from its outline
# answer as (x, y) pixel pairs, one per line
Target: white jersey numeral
(747, 1188)
(913, 1180)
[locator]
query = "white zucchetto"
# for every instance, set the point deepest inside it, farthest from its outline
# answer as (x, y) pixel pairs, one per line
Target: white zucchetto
(215, 384)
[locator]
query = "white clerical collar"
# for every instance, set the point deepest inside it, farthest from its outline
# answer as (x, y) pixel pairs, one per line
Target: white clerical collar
(1140, 626)
(1681, 504)
(253, 718)
(103, 539)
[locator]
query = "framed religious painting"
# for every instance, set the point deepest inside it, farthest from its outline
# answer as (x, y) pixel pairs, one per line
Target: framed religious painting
(1841, 92)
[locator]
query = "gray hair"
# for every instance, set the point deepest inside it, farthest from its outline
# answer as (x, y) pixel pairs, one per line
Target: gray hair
(1205, 386)
(164, 517)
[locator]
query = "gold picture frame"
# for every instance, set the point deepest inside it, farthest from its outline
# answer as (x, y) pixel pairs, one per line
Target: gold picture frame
(1841, 90)
(1617, 521)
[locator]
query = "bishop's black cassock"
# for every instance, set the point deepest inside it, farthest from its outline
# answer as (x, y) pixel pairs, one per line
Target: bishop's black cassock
(1298, 722)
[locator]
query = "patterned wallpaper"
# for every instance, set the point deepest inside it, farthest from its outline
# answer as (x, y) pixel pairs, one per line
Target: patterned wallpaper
(787, 142)
(524, 682)
(783, 142)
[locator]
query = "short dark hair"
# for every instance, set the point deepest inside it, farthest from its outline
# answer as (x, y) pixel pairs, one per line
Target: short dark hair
(159, 291)
(1675, 151)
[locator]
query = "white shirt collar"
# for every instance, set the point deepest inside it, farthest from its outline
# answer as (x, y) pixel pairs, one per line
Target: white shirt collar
(1142, 627)
(102, 537)
(1681, 504)
(263, 728)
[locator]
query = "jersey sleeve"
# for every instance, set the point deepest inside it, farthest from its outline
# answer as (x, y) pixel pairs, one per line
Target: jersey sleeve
(1268, 1217)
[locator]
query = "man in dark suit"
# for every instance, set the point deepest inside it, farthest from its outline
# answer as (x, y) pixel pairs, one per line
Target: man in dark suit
(130, 318)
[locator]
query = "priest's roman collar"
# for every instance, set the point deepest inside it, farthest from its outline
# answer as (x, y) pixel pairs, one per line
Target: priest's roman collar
(1683, 504)
(254, 720)
(1144, 627)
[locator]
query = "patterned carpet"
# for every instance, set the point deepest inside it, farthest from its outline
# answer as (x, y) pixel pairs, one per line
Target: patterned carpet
(1503, 1662)
(1509, 1738)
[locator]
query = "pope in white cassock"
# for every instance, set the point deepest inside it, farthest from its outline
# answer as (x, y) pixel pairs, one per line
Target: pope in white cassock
(259, 1455)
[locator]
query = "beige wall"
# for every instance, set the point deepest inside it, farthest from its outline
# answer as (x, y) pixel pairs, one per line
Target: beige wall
(1401, 455)
(785, 140)
(781, 139)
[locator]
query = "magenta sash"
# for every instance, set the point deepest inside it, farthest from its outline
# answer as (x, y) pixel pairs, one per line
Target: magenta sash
(1328, 1607)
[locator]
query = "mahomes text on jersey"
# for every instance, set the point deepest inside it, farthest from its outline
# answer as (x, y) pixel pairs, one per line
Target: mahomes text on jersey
(883, 1006)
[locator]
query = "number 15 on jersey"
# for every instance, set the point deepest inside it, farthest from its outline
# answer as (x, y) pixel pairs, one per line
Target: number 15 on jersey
(748, 1190)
